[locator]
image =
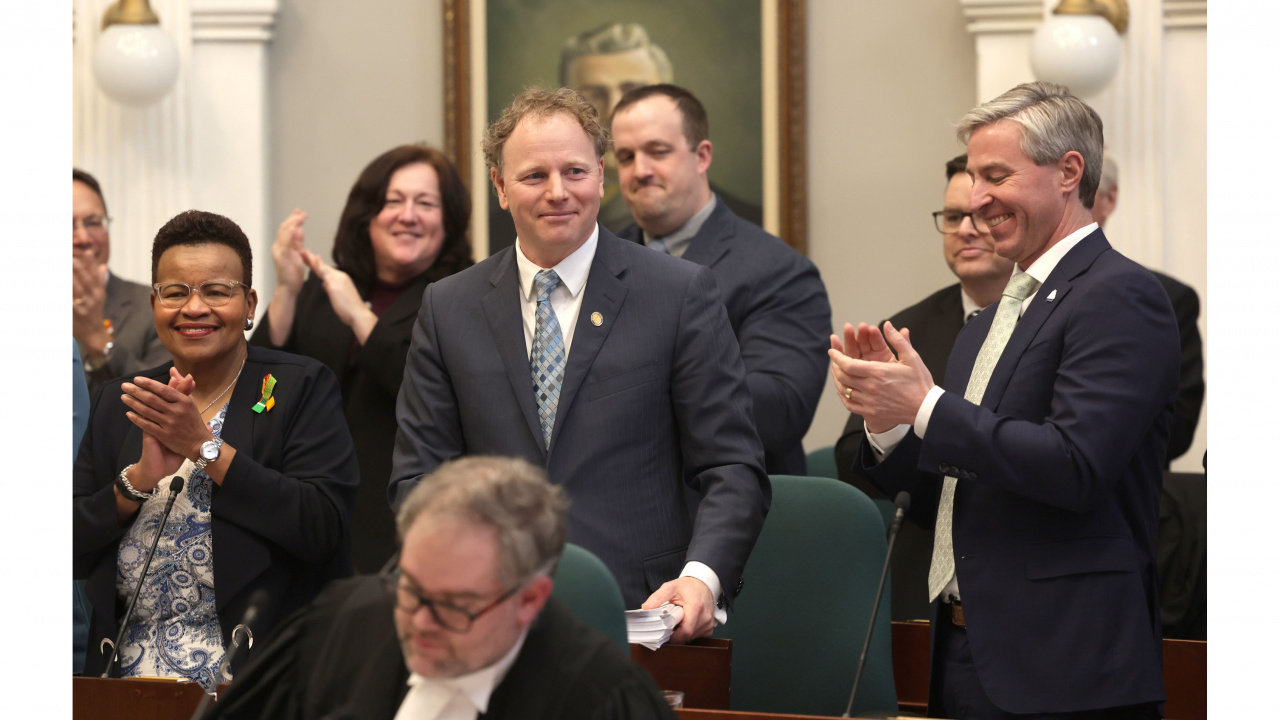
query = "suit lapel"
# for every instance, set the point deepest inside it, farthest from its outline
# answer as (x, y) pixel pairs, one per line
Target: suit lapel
(1058, 284)
(604, 294)
(711, 243)
(502, 310)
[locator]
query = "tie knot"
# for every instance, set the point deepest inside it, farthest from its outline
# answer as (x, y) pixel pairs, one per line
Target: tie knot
(1021, 286)
(544, 282)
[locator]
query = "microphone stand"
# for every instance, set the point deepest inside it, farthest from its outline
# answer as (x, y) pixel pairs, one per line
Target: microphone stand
(175, 489)
(902, 502)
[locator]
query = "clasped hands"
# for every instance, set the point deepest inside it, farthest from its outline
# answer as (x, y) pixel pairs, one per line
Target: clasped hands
(172, 429)
(886, 391)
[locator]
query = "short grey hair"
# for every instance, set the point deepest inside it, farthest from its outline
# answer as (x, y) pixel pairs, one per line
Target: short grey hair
(539, 102)
(1110, 172)
(1053, 121)
(614, 37)
(509, 495)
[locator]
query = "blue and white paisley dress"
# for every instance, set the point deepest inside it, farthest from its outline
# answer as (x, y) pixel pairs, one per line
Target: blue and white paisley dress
(174, 631)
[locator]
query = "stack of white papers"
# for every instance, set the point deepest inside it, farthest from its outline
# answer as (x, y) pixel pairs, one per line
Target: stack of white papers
(652, 628)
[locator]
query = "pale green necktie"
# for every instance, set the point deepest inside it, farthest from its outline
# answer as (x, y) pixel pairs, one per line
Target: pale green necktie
(1021, 286)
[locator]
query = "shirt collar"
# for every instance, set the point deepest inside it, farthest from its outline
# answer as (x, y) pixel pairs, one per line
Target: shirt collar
(678, 240)
(1044, 265)
(573, 270)
(477, 686)
(968, 304)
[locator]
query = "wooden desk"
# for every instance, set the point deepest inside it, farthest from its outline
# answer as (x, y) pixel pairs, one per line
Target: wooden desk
(702, 670)
(1186, 671)
(133, 699)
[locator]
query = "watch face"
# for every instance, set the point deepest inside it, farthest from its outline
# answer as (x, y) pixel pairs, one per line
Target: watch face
(209, 450)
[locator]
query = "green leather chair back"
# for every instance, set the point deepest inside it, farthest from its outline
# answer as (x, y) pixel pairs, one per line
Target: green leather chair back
(808, 588)
(822, 463)
(588, 589)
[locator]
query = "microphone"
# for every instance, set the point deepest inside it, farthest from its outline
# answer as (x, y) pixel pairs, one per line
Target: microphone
(901, 502)
(258, 602)
(175, 489)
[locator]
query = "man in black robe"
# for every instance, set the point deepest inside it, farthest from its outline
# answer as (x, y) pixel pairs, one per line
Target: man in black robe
(464, 628)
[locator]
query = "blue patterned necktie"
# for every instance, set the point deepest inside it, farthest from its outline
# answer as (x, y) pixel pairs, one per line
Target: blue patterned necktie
(547, 358)
(1021, 286)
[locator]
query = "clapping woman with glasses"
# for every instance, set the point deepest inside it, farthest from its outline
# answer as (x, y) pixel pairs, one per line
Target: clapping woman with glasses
(269, 467)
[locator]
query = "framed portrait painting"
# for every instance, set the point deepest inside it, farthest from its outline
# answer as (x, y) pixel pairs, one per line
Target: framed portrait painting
(744, 59)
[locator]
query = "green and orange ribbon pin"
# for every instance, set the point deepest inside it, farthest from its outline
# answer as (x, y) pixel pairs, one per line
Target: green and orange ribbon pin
(267, 402)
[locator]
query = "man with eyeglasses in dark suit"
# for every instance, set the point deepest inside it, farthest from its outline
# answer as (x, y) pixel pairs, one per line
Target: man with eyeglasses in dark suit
(111, 318)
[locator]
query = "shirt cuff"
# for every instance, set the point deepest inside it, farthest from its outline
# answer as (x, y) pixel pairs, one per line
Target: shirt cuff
(926, 410)
(883, 443)
(703, 572)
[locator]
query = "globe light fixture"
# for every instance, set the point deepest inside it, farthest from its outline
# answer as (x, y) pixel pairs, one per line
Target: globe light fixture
(1079, 46)
(135, 61)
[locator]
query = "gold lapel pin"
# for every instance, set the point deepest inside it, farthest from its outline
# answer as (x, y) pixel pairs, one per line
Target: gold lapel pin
(596, 319)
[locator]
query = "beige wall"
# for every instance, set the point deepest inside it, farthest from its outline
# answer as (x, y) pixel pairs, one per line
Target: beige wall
(886, 83)
(347, 81)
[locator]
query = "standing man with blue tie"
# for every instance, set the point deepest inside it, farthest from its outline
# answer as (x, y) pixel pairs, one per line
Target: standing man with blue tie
(1040, 462)
(612, 366)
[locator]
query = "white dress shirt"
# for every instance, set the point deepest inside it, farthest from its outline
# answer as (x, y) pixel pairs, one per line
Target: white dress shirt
(883, 443)
(566, 303)
(460, 698)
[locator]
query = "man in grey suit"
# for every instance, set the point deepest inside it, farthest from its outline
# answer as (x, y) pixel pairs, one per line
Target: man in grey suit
(111, 318)
(775, 298)
(612, 366)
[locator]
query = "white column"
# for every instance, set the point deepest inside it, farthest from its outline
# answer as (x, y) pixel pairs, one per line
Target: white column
(141, 157)
(204, 146)
(228, 97)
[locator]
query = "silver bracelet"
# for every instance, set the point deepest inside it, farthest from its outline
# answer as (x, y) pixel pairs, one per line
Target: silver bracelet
(127, 489)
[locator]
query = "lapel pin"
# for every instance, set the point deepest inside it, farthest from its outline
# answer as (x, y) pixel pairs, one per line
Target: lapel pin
(596, 319)
(1052, 295)
(267, 402)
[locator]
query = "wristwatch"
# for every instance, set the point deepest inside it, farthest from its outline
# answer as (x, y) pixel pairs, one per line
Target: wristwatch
(209, 452)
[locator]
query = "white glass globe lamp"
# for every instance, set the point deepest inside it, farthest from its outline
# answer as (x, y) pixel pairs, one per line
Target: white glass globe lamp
(135, 61)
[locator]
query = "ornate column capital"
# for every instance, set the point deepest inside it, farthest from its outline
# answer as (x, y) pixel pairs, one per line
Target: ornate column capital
(1002, 16)
(233, 20)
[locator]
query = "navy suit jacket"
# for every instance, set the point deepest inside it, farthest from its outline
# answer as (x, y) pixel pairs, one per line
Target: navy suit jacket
(654, 400)
(781, 318)
(1059, 480)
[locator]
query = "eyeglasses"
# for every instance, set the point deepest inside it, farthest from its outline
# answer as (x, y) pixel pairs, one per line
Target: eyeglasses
(93, 224)
(213, 294)
(948, 221)
(447, 615)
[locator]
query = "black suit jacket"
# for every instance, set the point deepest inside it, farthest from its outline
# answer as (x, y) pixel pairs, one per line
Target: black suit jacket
(340, 658)
(934, 322)
(280, 519)
(654, 400)
(1059, 480)
(1186, 412)
(781, 318)
(370, 380)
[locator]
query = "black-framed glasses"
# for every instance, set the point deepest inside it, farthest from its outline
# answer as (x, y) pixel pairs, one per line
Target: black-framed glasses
(447, 615)
(948, 221)
(214, 294)
(93, 224)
